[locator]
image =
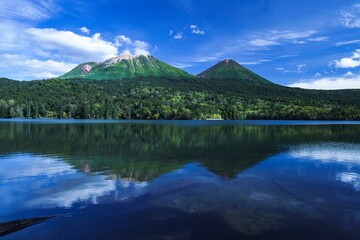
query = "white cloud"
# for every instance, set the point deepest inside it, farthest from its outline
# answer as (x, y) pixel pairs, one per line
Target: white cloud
(350, 62)
(84, 30)
(301, 68)
(300, 42)
(338, 44)
(72, 45)
(317, 75)
(183, 65)
(12, 37)
(273, 38)
(121, 39)
(47, 53)
(279, 69)
(32, 68)
(289, 35)
(25, 9)
(195, 30)
(171, 32)
(349, 74)
(198, 32)
(141, 48)
(179, 35)
(330, 83)
(203, 59)
(262, 43)
(254, 62)
(350, 18)
(132, 47)
(317, 39)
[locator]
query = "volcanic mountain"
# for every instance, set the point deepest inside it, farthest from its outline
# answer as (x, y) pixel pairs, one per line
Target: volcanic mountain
(230, 69)
(125, 67)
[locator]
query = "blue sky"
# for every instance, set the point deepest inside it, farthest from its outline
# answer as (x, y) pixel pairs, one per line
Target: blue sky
(305, 43)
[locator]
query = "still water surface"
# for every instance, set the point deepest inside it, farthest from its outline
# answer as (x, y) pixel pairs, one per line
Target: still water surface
(181, 180)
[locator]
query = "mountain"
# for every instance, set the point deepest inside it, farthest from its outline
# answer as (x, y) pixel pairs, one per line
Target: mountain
(125, 67)
(230, 69)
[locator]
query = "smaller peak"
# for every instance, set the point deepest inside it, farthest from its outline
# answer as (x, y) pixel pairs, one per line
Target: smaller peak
(229, 61)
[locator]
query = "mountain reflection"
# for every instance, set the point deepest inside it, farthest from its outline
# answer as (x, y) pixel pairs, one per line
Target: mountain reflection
(142, 152)
(252, 180)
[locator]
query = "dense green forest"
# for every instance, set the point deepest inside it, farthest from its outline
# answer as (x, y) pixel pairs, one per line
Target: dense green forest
(163, 98)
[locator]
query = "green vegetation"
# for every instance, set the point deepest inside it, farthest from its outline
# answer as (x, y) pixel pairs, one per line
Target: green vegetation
(160, 98)
(146, 88)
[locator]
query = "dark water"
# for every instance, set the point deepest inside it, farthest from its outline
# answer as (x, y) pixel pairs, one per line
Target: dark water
(181, 180)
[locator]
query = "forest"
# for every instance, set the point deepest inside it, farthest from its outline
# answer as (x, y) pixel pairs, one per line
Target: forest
(162, 98)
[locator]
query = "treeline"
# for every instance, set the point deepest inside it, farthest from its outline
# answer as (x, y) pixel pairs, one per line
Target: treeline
(171, 99)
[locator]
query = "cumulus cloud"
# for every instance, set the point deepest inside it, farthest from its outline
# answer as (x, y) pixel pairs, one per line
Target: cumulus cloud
(350, 18)
(193, 29)
(71, 44)
(330, 83)
(196, 30)
(29, 68)
(131, 47)
(179, 35)
(48, 52)
(29, 52)
(349, 62)
(84, 30)
(349, 74)
(120, 40)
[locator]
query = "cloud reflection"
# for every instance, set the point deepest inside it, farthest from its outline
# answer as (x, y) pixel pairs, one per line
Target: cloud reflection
(30, 181)
(329, 153)
(350, 178)
(345, 156)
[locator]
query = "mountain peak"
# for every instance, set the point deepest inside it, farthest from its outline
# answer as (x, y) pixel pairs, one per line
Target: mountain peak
(125, 66)
(230, 69)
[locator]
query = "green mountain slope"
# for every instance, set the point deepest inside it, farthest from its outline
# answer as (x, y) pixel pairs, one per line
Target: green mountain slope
(230, 69)
(125, 67)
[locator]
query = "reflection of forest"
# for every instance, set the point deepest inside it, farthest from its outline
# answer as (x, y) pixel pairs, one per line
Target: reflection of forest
(144, 151)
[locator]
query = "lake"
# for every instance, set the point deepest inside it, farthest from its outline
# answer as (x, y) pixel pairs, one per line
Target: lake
(181, 179)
